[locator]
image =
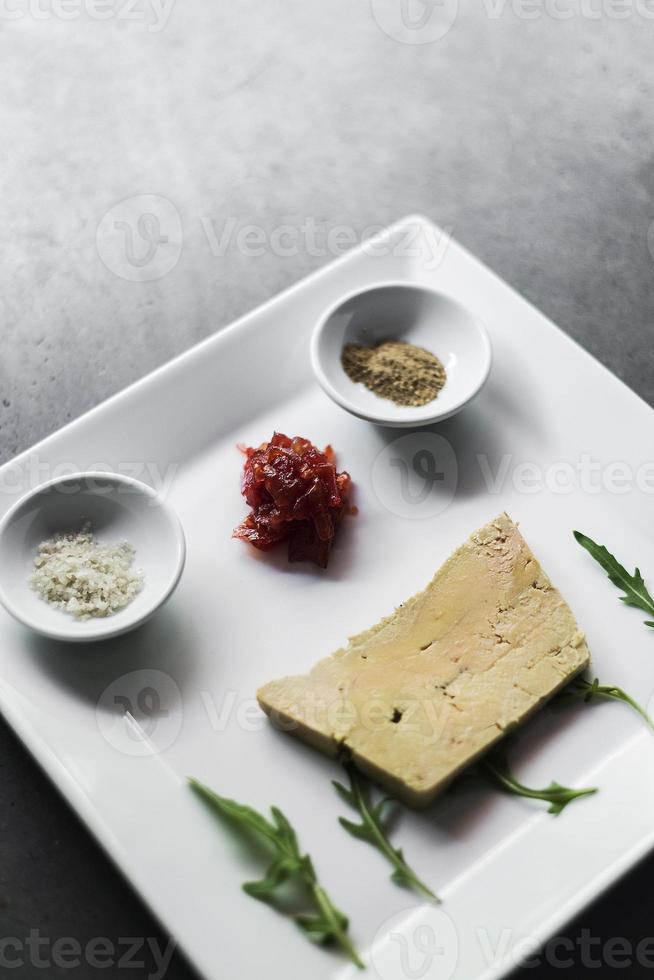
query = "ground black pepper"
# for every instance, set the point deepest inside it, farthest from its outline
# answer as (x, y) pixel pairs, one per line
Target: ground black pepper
(393, 369)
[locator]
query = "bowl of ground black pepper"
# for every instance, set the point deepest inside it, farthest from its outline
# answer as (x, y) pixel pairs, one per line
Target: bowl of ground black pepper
(400, 355)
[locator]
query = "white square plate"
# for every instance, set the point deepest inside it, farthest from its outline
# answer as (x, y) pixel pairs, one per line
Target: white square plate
(554, 439)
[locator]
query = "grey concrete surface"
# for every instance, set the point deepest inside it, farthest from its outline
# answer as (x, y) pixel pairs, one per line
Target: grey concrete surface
(527, 134)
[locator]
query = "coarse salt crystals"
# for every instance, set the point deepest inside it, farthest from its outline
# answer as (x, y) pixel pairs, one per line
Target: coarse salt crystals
(86, 579)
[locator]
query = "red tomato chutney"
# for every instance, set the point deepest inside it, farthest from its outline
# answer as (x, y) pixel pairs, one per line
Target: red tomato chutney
(296, 495)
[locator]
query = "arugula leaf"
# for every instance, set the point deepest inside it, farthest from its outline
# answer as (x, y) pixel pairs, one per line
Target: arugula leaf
(582, 690)
(634, 587)
(325, 923)
(372, 829)
(556, 795)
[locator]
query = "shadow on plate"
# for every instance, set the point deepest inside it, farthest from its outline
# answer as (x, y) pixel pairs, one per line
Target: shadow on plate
(472, 795)
(479, 438)
(87, 669)
(471, 798)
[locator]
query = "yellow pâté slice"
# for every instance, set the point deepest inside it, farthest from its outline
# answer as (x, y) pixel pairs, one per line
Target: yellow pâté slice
(423, 693)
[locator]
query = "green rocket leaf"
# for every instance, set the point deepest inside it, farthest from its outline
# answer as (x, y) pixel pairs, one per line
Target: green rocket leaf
(582, 690)
(372, 829)
(633, 586)
(324, 923)
(497, 768)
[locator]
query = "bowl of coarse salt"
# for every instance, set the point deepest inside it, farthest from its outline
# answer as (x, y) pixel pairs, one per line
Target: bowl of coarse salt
(89, 556)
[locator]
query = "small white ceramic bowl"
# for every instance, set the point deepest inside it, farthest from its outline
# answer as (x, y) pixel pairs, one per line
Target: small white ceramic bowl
(417, 315)
(118, 508)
